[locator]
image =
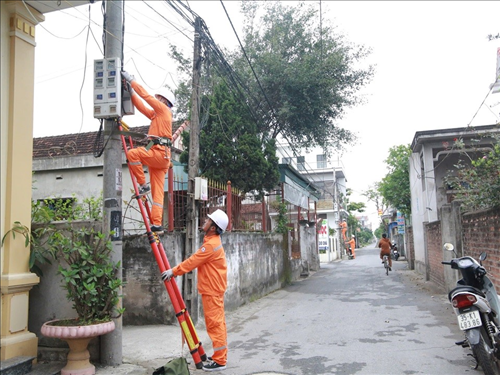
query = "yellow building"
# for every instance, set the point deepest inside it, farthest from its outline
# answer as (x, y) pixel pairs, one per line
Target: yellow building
(18, 21)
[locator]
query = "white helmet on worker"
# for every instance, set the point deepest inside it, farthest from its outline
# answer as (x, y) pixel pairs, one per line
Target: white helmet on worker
(220, 219)
(167, 94)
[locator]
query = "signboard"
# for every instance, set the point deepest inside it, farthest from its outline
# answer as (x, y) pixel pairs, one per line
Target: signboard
(401, 223)
(323, 236)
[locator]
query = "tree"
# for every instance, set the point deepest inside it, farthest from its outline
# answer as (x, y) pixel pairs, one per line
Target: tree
(373, 195)
(306, 76)
(231, 149)
(477, 185)
(395, 186)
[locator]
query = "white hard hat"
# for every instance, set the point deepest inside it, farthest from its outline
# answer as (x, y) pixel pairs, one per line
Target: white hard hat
(167, 94)
(220, 218)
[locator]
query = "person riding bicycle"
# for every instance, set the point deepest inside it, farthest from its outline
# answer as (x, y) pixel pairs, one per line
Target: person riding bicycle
(385, 249)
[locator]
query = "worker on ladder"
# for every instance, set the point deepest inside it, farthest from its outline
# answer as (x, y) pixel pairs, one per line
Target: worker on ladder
(210, 260)
(157, 156)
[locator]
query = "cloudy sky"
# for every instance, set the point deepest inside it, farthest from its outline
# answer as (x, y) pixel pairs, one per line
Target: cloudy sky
(434, 66)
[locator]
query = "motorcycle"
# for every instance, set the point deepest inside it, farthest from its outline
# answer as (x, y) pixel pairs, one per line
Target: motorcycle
(477, 306)
(395, 252)
(349, 254)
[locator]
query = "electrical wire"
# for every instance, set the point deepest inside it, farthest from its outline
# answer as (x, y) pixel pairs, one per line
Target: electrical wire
(473, 117)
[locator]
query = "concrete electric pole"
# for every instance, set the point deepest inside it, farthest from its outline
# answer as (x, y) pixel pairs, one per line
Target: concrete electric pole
(194, 153)
(111, 343)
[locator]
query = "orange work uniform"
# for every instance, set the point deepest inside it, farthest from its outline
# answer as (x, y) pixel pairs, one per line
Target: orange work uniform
(157, 158)
(385, 249)
(343, 225)
(352, 244)
(210, 259)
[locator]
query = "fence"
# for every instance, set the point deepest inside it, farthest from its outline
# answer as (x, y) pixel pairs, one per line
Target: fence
(245, 213)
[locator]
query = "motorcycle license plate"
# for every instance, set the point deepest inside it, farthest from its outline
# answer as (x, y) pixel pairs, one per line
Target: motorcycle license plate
(469, 320)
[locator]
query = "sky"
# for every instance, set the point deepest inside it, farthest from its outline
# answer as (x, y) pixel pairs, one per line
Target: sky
(433, 67)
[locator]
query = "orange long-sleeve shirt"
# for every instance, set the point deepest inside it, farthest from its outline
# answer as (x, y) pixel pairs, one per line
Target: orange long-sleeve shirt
(159, 114)
(210, 259)
(385, 245)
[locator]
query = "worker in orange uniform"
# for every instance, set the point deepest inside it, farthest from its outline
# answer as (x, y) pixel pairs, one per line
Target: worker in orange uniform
(157, 158)
(343, 225)
(352, 244)
(210, 259)
(385, 249)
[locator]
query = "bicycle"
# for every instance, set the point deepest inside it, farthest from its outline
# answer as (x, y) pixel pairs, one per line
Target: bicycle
(385, 260)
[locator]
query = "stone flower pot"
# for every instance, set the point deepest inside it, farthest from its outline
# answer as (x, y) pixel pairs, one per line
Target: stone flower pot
(78, 338)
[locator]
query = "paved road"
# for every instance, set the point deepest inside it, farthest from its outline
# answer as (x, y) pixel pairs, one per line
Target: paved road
(347, 318)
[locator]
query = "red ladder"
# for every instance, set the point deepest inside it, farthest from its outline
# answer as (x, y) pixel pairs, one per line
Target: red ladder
(187, 326)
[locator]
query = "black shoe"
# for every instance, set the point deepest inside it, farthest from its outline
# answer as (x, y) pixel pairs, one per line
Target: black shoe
(213, 366)
(144, 189)
(390, 269)
(158, 229)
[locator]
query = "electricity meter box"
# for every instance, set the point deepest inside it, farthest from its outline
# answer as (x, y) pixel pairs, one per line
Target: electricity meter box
(107, 88)
(200, 189)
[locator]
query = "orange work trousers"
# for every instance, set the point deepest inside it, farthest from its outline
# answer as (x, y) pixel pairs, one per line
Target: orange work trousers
(215, 321)
(382, 253)
(158, 162)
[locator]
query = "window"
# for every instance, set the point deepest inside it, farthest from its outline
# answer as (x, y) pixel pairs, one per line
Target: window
(301, 163)
(287, 160)
(321, 161)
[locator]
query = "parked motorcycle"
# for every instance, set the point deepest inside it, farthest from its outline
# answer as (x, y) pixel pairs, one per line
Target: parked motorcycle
(477, 306)
(395, 252)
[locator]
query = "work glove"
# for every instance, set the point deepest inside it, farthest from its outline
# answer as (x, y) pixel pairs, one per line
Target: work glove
(127, 76)
(167, 275)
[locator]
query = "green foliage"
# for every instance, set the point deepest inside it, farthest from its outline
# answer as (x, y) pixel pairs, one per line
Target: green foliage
(282, 220)
(477, 184)
(307, 76)
(89, 275)
(379, 231)
(231, 149)
(364, 236)
(395, 186)
(56, 209)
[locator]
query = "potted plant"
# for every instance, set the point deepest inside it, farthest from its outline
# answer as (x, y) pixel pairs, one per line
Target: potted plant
(89, 277)
(82, 254)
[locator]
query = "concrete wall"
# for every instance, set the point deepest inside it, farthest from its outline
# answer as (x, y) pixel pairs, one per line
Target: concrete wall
(256, 267)
(258, 264)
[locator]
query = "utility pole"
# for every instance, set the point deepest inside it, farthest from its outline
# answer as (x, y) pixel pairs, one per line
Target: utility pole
(194, 154)
(111, 343)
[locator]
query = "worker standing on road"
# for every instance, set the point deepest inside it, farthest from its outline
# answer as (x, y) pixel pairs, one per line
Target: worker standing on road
(157, 158)
(210, 260)
(343, 225)
(385, 249)
(352, 245)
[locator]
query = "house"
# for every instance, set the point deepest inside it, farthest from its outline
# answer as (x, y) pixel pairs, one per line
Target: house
(328, 176)
(65, 167)
(434, 155)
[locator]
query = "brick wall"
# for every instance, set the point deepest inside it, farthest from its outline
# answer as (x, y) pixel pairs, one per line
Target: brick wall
(481, 232)
(435, 252)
